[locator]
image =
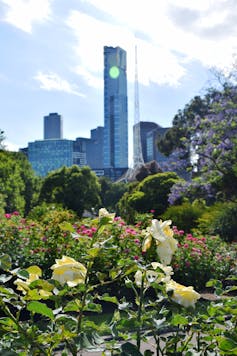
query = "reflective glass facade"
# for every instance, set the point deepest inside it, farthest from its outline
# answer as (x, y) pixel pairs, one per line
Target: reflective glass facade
(115, 109)
(48, 155)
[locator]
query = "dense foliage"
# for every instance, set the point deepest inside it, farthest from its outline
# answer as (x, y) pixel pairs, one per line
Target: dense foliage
(19, 185)
(204, 137)
(150, 194)
(46, 306)
(74, 187)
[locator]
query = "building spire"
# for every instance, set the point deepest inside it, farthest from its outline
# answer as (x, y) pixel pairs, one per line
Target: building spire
(137, 146)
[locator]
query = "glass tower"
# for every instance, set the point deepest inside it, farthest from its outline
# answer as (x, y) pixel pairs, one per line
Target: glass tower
(115, 109)
(53, 126)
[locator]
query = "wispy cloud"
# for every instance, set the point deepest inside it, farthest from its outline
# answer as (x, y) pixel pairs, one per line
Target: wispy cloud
(156, 64)
(169, 34)
(24, 13)
(52, 81)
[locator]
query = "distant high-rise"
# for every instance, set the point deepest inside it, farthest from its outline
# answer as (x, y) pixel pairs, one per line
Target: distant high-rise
(115, 112)
(53, 126)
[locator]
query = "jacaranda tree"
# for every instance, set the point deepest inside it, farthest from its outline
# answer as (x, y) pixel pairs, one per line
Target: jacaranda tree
(212, 144)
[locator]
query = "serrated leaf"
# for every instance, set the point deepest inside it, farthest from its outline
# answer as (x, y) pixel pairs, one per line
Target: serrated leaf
(40, 308)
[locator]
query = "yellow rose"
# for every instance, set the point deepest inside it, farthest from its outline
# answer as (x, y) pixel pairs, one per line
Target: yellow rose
(104, 213)
(67, 270)
(147, 242)
(153, 275)
(166, 244)
(185, 296)
(34, 274)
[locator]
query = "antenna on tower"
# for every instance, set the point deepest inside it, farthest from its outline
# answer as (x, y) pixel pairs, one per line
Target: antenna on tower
(137, 145)
(138, 161)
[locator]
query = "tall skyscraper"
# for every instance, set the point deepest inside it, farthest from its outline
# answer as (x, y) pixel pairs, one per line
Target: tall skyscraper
(53, 126)
(115, 112)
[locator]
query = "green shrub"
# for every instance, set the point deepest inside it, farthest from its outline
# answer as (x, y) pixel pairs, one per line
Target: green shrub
(225, 222)
(184, 216)
(199, 259)
(220, 219)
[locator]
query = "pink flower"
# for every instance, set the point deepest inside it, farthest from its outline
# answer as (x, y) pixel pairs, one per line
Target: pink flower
(186, 245)
(136, 258)
(8, 216)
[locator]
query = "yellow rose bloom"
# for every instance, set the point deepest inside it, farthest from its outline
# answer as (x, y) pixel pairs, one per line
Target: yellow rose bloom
(22, 285)
(185, 296)
(153, 275)
(166, 244)
(67, 270)
(104, 213)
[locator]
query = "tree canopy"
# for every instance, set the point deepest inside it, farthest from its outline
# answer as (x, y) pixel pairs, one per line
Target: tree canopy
(18, 183)
(206, 130)
(74, 187)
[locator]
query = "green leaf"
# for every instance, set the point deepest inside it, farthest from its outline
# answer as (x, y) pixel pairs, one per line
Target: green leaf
(130, 349)
(228, 346)
(23, 273)
(179, 319)
(93, 307)
(107, 298)
(5, 262)
(93, 252)
(74, 305)
(40, 283)
(40, 308)
(34, 270)
(68, 321)
(66, 226)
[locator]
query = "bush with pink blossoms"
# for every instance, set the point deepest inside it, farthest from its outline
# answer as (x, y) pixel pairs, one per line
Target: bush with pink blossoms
(199, 259)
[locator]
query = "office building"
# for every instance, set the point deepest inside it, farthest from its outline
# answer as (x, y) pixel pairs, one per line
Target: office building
(145, 127)
(53, 126)
(150, 133)
(152, 150)
(48, 155)
(115, 112)
(89, 151)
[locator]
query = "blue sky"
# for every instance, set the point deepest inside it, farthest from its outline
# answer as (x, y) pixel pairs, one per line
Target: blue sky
(52, 59)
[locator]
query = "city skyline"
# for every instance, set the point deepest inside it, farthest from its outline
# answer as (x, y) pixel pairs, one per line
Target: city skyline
(52, 59)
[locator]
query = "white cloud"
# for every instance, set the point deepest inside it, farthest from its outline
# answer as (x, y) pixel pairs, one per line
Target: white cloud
(168, 33)
(52, 81)
(9, 146)
(24, 13)
(155, 64)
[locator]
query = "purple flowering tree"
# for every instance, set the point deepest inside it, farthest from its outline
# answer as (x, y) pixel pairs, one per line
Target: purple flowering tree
(211, 147)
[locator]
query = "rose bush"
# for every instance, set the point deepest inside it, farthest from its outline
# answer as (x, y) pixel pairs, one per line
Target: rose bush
(198, 259)
(58, 307)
